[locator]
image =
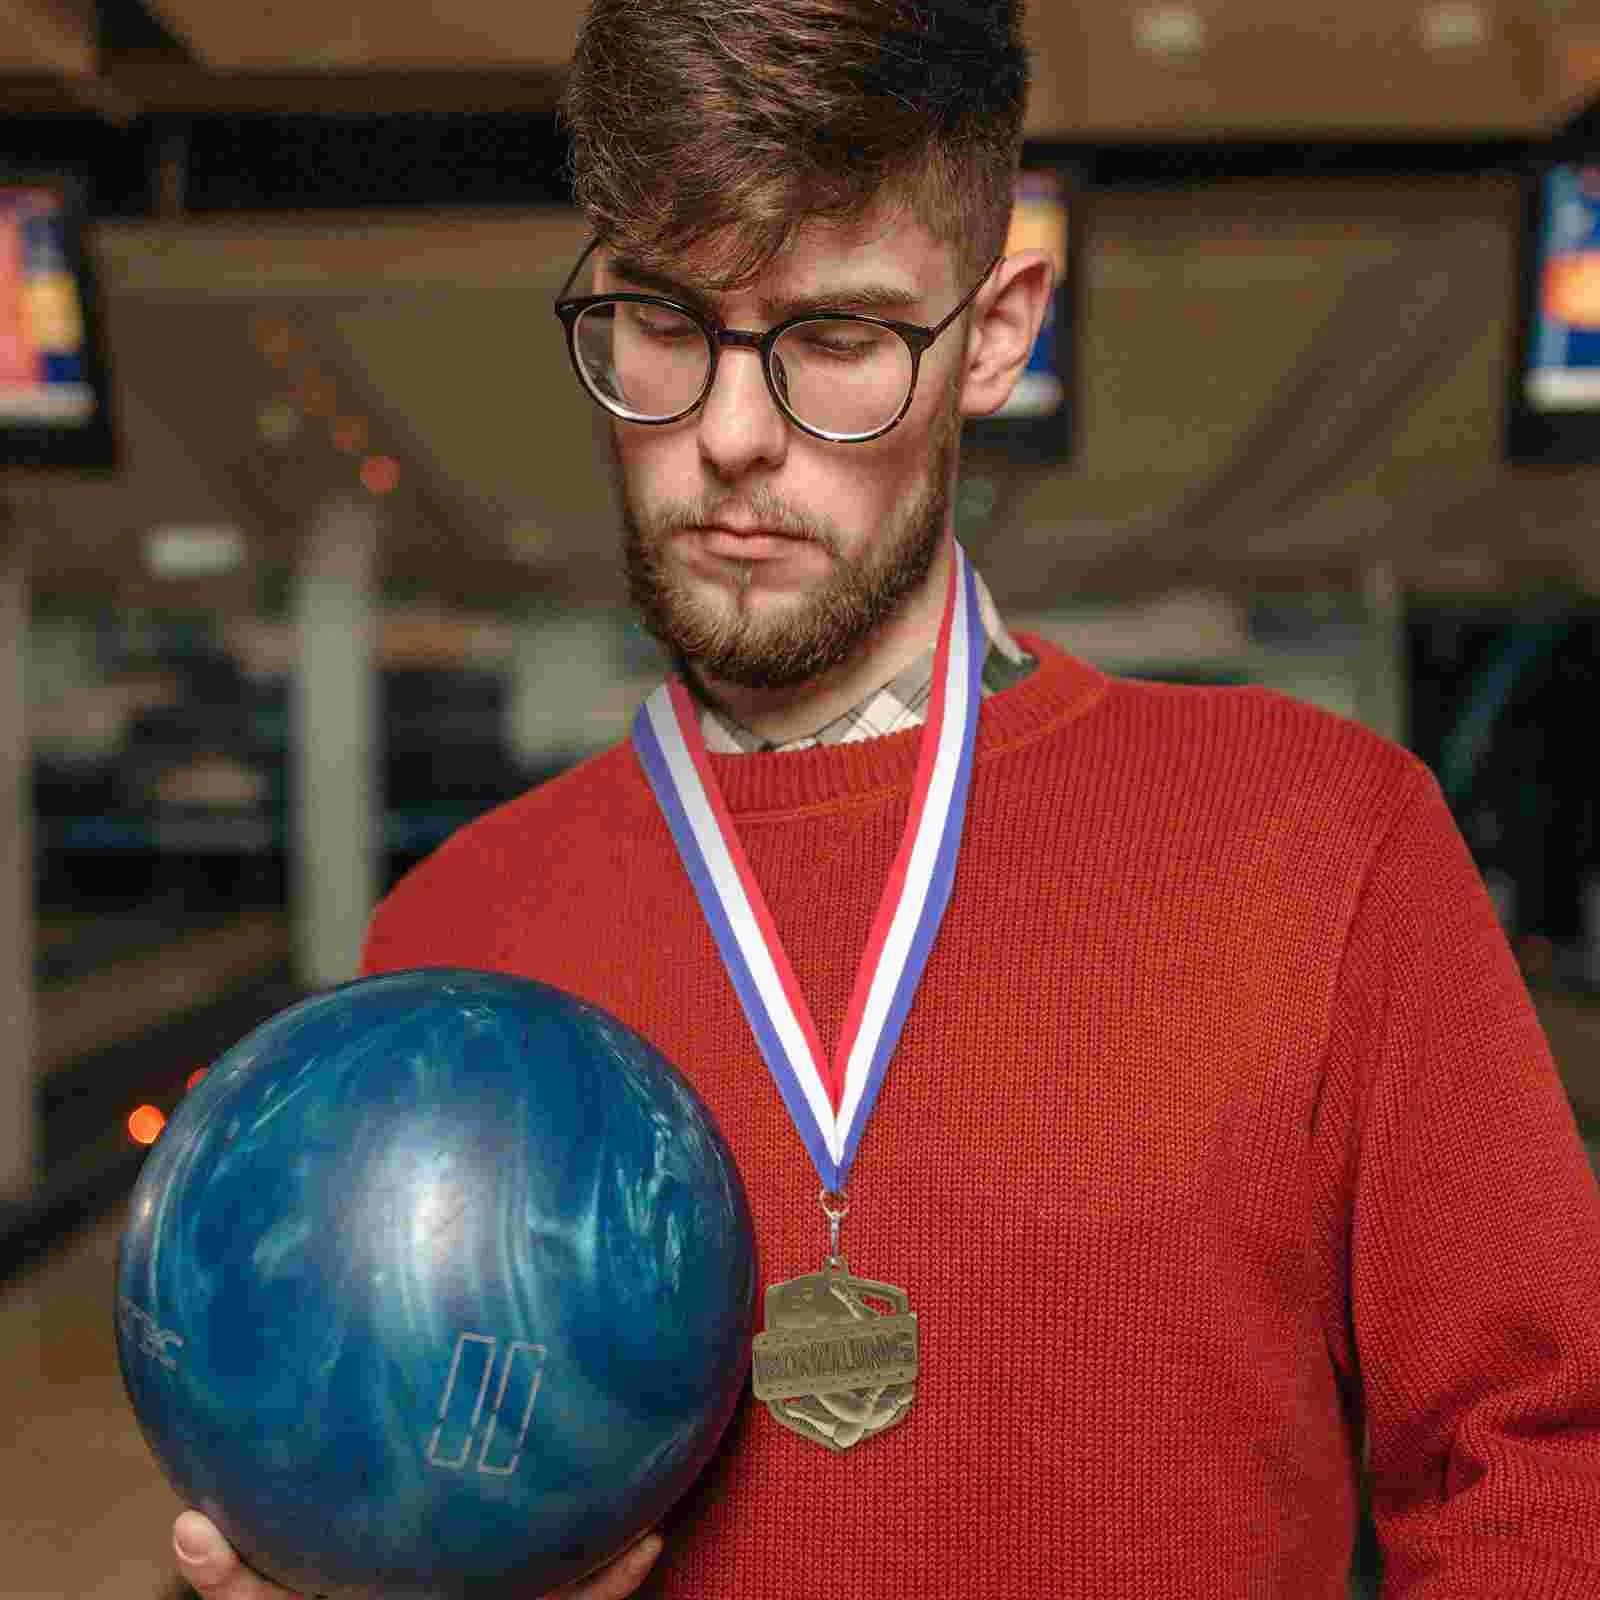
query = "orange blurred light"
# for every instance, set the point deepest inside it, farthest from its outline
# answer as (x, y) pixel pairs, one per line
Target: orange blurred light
(1572, 288)
(380, 474)
(146, 1124)
(195, 1076)
(350, 434)
(318, 396)
(275, 340)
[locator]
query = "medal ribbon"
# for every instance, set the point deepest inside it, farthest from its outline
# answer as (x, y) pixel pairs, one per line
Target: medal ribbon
(829, 1102)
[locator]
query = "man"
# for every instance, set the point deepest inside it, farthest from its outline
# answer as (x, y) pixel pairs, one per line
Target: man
(1187, 1092)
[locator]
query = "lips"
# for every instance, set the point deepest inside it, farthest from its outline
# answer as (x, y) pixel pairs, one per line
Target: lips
(743, 531)
(745, 544)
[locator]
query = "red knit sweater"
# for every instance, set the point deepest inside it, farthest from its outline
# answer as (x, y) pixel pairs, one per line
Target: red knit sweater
(1221, 1129)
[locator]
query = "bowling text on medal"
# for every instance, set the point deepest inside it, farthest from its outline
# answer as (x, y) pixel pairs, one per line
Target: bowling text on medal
(788, 1363)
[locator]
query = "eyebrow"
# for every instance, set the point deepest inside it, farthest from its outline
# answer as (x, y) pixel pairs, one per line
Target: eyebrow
(868, 297)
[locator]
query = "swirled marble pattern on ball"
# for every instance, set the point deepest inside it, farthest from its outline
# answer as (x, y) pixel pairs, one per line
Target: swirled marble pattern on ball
(436, 1281)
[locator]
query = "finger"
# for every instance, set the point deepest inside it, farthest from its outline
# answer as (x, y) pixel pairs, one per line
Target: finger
(617, 1581)
(207, 1563)
(624, 1575)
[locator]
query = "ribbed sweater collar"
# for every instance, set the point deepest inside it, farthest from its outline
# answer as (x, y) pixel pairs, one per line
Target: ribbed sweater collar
(1061, 689)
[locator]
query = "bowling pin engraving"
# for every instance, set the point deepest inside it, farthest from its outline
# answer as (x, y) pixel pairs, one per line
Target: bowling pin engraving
(475, 1356)
(829, 1366)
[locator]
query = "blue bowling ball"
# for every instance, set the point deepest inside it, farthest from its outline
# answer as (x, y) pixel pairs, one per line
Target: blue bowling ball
(438, 1284)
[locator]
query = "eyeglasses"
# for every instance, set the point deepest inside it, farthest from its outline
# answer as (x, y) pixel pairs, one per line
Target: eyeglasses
(834, 374)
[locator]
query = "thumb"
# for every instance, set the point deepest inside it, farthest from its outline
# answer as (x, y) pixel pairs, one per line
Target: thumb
(209, 1565)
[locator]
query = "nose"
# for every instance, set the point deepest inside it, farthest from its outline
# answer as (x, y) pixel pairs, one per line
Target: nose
(740, 425)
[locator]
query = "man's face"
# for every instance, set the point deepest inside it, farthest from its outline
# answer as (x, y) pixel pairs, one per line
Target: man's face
(763, 556)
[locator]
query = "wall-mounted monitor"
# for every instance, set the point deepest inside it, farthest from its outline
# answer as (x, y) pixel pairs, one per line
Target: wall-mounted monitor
(1036, 426)
(55, 406)
(1553, 401)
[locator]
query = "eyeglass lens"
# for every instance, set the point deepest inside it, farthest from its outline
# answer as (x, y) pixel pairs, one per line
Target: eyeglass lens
(648, 363)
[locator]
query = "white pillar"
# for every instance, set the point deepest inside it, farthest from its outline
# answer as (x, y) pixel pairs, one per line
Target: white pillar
(565, 675)
(335, 804)
(18, 1130)
(1384, 669)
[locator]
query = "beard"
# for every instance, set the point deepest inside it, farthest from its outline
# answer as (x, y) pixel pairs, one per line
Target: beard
(722, 637)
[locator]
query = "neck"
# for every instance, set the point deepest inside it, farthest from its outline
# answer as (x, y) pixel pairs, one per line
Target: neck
(780, 715)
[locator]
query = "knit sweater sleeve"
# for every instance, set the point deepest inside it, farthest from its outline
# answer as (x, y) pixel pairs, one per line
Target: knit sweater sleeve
(1463, 1228)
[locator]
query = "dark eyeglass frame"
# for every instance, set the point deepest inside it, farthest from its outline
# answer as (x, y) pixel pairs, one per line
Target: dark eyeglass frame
(916, 338)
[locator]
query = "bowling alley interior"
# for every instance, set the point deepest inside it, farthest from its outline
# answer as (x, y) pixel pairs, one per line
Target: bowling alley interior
(309, 550)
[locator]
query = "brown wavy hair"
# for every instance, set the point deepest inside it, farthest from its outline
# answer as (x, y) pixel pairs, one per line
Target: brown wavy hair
(747, 118)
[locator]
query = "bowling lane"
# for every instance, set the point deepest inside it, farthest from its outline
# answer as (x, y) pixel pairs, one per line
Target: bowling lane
(156, 973)
(131, 1032)
(87, 1512)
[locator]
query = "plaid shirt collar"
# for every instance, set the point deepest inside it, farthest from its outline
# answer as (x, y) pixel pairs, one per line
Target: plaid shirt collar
(899, 704)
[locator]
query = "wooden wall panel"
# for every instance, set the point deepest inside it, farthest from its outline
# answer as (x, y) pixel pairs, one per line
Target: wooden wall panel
(1258, 67)
(1196, 309)
(1261, 68)
(397, 34)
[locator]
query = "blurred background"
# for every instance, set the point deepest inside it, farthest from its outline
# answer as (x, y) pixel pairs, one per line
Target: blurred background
(307, 549)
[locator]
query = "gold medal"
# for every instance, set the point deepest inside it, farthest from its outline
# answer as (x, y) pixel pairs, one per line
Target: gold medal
(830, 1365)
(838, 1360)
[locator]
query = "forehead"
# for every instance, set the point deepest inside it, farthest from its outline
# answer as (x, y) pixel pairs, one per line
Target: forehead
(824, 258)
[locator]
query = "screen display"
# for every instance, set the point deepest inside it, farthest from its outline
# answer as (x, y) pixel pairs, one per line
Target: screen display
(1039, 222)
(1035, 425)
(42, 340)
(1563, 368)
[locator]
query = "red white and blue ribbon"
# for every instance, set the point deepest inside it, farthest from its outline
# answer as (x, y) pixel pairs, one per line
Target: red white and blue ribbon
(829, 1101)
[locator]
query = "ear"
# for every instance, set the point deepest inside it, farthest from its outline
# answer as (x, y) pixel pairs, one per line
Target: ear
(1007, 316)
